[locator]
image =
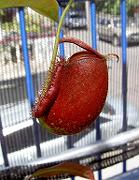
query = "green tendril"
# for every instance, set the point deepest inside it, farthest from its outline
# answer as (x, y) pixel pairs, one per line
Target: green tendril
(58, 34)
(55, 49)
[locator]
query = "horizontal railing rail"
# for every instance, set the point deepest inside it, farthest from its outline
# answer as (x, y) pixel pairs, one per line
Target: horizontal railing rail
(99, 147)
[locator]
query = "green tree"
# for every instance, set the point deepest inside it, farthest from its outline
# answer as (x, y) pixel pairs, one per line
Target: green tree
(113, 6)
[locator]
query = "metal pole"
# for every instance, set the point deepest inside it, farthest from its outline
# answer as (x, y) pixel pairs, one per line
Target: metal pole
(94, 45)
(3, 146)
(62, 51)
(72, 178)
(93, 24)
(124, 67)
(29, 83)
(87, 11)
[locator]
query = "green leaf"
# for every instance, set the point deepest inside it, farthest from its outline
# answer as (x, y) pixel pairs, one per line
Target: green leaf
(47, 8)
(68, 168)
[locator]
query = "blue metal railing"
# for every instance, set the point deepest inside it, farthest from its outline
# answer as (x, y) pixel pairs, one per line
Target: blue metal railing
(29, 83)
(94, 45)
(124, 67)
(62, 51)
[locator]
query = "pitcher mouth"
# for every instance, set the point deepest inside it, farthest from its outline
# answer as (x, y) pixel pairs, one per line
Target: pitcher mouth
(49, 93)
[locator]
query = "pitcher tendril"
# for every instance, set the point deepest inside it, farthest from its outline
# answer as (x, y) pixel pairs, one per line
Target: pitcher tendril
(111, 56)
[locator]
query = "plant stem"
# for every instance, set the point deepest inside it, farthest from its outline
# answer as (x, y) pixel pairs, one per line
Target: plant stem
(52, 65)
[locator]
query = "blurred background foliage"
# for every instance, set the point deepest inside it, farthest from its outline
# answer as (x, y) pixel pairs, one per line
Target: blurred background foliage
(112, 6)
(9, 21)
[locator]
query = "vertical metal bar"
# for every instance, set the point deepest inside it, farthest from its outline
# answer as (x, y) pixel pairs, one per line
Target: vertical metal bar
(94, 45)
(72, 178)
(93, 24)
(124, 67)
(3, 145)
(62, 51)
(29, 83)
